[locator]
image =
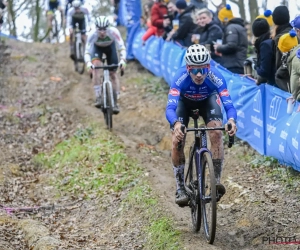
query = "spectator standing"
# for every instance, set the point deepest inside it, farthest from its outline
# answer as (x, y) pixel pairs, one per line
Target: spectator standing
(172, 14)
(159, 17)
(235, 42)
(281, 19)
(288, 46)
(186, 25)
(151, 30)
(265, 66)
(210, 33)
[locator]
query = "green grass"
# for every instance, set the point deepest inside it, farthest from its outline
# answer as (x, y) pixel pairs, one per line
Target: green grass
(159, 229)
(92, 162)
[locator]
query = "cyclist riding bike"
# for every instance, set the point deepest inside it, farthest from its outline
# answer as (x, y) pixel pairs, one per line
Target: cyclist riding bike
(197, 86)
(77, 14)
(69, 4)
(50, 7)
(2, 7)
(104, 41)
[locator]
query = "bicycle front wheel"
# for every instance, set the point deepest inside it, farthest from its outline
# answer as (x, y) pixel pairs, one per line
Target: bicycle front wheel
(108, 107)
(192, 185)
(208, 198)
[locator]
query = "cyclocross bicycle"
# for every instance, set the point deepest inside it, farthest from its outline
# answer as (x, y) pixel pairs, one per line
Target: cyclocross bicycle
(200, 180)
(79, 47)
(107, 96)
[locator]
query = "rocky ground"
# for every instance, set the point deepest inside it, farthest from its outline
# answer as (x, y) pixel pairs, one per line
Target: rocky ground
(43, 101)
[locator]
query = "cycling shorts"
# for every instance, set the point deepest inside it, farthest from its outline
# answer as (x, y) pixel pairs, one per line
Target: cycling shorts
(81, 23)
(110, 52)
(209, 109)
(53, 5)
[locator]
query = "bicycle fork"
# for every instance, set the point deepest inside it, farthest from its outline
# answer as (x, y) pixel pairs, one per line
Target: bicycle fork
(107, 84)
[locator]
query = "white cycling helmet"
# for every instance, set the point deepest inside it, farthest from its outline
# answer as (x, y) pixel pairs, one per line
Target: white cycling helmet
(102, 22)
(197, 55)
(76, 3)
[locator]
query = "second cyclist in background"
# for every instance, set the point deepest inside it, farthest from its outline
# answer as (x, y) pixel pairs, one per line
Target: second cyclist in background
(77, 14)
(50, 7)
(69, 5)
(105, 40)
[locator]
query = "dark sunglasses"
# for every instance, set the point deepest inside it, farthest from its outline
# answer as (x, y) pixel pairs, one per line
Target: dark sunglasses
(102, 29)
(202, 71)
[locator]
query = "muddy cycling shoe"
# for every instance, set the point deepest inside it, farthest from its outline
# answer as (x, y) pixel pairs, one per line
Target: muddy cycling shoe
(181, 197)
(98, 103)
(116, 109)
(220, 189)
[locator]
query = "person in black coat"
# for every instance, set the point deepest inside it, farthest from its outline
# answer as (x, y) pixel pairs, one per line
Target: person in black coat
(186, 25)
(265, 66)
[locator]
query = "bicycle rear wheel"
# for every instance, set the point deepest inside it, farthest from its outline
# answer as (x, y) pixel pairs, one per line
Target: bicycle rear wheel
(209, 198)
(81, 64)
(108, 108)
(192, 184)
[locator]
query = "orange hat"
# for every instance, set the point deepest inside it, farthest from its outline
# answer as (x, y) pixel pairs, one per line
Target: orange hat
(225, 14)
(268, 16)
(288, 41)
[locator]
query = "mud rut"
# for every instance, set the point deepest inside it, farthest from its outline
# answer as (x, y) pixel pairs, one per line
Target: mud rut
(255, 206)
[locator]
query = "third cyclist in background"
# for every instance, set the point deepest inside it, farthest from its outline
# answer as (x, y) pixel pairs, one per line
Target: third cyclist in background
(104, 41)
(77, 14)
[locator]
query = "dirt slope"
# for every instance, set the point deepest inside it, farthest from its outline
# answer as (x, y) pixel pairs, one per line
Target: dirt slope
(256, 205)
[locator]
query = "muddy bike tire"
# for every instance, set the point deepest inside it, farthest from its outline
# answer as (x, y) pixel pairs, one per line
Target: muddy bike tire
(108, 108)
(192, 183)
(55, 29)
(209, 198)
(81, 60)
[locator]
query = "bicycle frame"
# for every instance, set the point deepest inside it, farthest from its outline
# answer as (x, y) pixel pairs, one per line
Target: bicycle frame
(78, 41)
(107, 84)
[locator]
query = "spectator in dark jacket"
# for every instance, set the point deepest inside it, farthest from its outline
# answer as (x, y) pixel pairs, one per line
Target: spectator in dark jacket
(210, 33)
(265, 66)
(281, 19)
(235, 42)
(186, 25)
(159, 12)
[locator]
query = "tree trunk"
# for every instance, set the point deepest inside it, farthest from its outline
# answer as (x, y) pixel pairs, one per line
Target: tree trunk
(253, 7)
(37, 21)
(241, 5)
(264, 5)
(12, 18)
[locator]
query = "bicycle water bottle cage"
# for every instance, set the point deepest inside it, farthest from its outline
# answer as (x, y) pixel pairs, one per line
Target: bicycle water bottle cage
(195, 114)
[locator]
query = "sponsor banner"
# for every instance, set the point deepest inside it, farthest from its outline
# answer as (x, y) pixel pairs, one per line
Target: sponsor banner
(153, 62)
(282, 129)
(130, 12)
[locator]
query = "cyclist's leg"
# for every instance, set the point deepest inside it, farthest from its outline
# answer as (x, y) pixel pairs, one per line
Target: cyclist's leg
(82, 27)
(215, 136)
(178, 157)
(112, 58)
(96, 55)
(71, 39)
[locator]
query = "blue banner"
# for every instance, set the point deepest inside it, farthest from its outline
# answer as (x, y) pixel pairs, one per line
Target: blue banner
(130, 12)
(281, 128)
(131, 33)
(153, 55)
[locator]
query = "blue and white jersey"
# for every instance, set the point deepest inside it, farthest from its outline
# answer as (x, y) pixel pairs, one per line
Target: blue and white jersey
(183, 87)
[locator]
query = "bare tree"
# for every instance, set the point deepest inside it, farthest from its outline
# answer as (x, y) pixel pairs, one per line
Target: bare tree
(241, 5)
(253, 7)
(264, 4)
(284, 2)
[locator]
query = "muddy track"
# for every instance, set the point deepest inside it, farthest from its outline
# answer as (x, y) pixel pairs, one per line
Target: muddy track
(255, 205)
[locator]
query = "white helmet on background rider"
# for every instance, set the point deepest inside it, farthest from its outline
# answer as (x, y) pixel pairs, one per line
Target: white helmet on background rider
(76, 3)
(102, 22)
(197, 55)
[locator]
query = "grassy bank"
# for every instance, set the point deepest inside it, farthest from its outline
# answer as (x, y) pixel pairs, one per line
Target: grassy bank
(93, 164)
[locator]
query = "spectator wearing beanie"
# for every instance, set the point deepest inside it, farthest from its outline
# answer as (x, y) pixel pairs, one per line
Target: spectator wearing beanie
(235, 41)
(296, 25)
(289, 72)
(225, 14)
(281, 19)
(186, 25)
(263, 44)
(268, 16)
